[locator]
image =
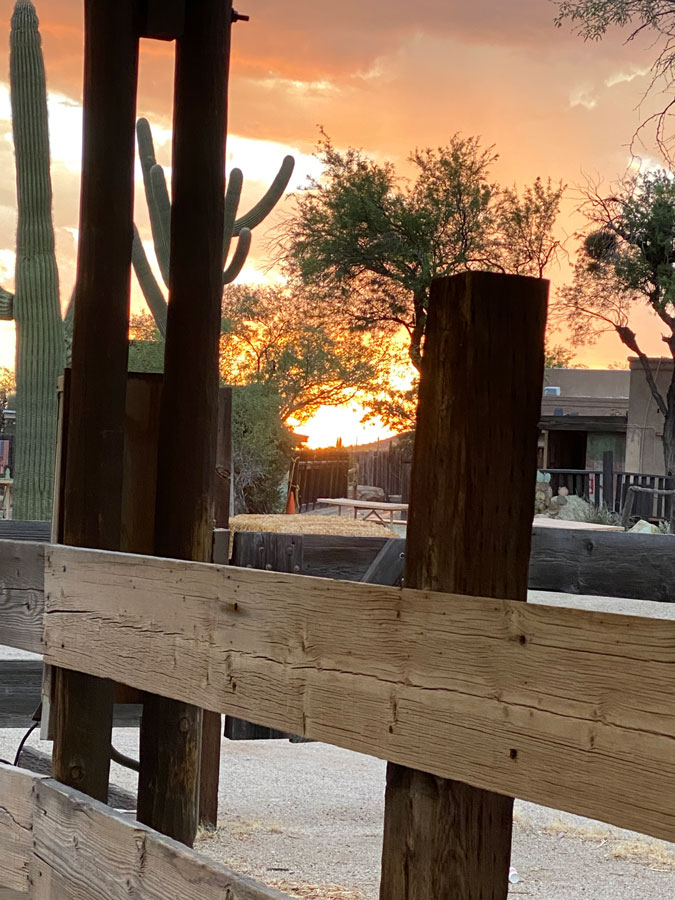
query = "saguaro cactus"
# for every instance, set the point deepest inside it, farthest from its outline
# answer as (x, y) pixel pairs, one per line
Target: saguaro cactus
(35, 304)
(159, 208)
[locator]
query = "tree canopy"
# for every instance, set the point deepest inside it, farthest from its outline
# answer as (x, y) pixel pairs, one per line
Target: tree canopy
(626, 259)
(283, 338)
(371, 241)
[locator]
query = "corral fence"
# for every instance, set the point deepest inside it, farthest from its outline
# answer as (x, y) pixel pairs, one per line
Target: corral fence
(451, 664)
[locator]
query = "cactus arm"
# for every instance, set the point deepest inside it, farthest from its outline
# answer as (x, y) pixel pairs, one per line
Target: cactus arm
(232, 198)
(266, 204)
(6, 304)
(162, 205)
(151, 290)
(146, 153)
(238, 257)
(146, 146)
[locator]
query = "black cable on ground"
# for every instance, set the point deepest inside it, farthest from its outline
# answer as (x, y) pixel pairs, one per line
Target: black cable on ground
(23, 741)
(122, 760)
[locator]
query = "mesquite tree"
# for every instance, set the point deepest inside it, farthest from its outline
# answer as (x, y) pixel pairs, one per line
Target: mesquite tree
(627, 259)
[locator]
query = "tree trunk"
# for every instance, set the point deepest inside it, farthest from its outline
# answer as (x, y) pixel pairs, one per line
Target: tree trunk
(669, 429)
(420, 302)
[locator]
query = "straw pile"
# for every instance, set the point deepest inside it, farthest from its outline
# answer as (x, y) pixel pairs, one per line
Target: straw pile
(317, 891)
(309, 524)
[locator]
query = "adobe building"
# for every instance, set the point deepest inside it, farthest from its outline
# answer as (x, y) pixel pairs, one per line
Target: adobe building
(644, 434)
(585, 412)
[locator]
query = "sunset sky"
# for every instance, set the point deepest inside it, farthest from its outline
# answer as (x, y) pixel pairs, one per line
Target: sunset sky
(384, 75)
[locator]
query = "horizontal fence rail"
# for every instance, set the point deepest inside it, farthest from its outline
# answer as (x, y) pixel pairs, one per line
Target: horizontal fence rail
(58, 843)
(564, 707)
(570, 561)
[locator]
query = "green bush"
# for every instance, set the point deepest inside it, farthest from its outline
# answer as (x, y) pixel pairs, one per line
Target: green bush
(261, 450)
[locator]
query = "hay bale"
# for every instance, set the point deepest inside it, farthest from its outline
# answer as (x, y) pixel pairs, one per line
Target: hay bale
(309, 524)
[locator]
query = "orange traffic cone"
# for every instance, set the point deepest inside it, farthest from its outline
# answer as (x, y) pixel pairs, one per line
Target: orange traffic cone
(290, 502)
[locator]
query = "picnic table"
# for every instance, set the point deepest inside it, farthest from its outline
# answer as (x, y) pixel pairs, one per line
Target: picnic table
(377, 509)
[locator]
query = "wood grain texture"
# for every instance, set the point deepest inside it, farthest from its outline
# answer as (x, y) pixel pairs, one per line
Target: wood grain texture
(470, 521)
(22, 594)
(16, 822)
(563, 707)
(59, 844)
(603, 563)
(85, 851)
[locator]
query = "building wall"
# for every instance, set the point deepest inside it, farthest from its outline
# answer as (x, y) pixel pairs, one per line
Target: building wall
(588, 392)
(598, 443)
(644, 436)
(608, 383)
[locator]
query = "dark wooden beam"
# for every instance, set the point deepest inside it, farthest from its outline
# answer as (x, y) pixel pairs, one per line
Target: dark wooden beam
(171, 731)
(162, 20)
(616, 424)
(444, 840)
(93, 480)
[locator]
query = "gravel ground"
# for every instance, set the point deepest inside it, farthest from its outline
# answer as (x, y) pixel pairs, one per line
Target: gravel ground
(308, 819)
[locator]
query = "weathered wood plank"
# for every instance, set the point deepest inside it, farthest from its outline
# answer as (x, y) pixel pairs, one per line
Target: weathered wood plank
(445, 839)
(59, 844)
(337, 556)
(603, 563)
(24, 530)
(85, 851)
(16, 821)
(564, 707)
(388, 565)
(22, 594)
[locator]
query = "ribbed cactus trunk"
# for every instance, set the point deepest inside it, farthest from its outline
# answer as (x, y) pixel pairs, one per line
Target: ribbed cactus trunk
(39, 340)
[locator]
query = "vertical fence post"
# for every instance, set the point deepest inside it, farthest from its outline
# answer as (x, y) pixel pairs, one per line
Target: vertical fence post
(608, 479)
(469, 531)
(92, 505)
(211, 721)
(168, 789)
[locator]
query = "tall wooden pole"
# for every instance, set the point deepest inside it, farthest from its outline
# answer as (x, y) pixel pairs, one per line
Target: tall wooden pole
(469, 531)
(93, 481)
(171, 731)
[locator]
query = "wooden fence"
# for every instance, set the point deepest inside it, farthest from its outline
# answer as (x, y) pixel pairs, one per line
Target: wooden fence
(609, 487)
(387, 469)
(320, 473)
(329, 473)
(568, 561)
(572, 707)
(472, 696)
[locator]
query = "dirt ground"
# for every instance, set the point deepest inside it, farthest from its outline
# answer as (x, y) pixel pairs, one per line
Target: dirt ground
(307, 818)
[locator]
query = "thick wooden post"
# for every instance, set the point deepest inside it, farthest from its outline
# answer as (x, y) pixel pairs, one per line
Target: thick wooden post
(212, 721)
(469, 531)
(171, 731)
(93, 482)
